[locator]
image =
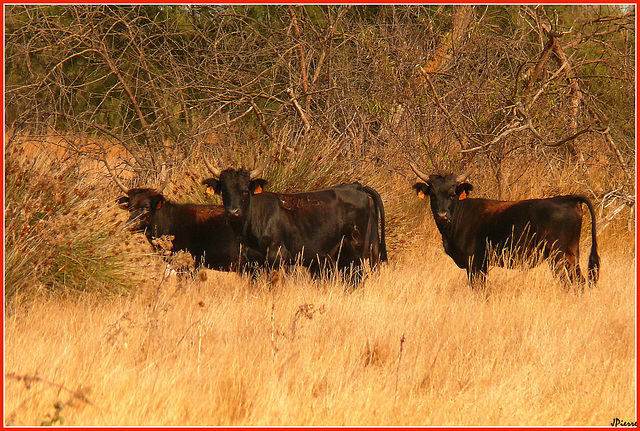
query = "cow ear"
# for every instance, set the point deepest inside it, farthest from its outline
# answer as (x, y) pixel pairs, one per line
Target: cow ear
(462, 190)
(213, 186)
(123, 202)
(422, 190)
(257, 186)
(157, 201)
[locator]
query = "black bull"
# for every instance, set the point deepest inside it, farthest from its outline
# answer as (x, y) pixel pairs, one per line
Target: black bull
(336, 226)
(477, 232)
(202, 230)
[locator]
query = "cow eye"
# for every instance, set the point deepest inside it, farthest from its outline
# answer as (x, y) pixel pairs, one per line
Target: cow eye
(452, 196)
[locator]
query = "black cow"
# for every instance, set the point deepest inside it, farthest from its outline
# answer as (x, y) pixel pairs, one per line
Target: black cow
(479, 232)
(202, 230)
(316, 229)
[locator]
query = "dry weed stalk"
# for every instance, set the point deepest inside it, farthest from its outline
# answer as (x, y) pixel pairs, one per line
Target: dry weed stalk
(164, 244)
(117, 329)
(80, 394)
(402, 340)
(274, 340)
(304, 310)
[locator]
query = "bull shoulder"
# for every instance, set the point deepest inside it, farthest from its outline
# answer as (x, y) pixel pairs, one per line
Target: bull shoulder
(202, 213)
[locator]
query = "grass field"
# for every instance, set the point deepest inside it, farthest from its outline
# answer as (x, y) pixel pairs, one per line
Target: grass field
(413, 346)
(531, 101)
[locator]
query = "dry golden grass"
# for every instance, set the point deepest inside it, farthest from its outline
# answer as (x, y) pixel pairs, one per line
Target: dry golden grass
(413, 346)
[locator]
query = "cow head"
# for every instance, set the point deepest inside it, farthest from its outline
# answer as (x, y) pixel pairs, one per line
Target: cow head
(444, 192)
(142, 204)
(236, 187)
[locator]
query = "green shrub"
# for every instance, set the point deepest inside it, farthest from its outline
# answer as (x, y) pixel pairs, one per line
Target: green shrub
(58, 235)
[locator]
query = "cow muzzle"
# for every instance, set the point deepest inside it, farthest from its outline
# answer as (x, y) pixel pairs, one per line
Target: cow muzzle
(234, 213)
(442, 217)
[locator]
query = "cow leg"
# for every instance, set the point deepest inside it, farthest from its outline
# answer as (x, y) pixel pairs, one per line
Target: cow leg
(477, 270)
(577, 277)
(319, 266)
(278, 255)
(573, 268)
(567, 268)
(477, 277)
(315, 270)
(251, 255)
(350, 261)
(352, 273)
(315, 267)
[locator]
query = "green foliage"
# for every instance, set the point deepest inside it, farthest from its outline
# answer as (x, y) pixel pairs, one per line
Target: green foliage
(56, 418)
(57, 234)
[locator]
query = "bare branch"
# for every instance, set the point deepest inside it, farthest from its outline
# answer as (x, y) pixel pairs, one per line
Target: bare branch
(303, 116)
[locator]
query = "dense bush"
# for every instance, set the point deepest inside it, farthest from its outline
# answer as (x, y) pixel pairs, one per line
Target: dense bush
(59, 236)
(450, 86)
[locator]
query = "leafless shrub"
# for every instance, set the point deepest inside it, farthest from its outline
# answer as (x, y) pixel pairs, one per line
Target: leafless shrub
(520, 92)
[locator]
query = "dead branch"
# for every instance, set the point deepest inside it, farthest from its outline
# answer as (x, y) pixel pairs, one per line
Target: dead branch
(612, 145)
(104, 53)
(540, 65)
(263, 125)
(512, 128)
(303, 116)
(576, 94)
(301, 55)
(436, 100)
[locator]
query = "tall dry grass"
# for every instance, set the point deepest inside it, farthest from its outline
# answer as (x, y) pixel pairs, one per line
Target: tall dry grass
(413, 346)
(60, 235)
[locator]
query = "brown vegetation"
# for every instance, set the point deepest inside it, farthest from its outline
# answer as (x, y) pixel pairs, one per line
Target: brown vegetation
(217, 350)
(97, 333)
(414, 345)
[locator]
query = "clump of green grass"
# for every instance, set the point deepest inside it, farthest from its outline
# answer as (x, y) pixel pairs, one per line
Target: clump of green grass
(59, 236)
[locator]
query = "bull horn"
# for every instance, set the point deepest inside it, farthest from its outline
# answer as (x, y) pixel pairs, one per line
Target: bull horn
(424, 177)
(215, 171)
(164, 178)
(462, 177)
(257, 171)
(113, 176)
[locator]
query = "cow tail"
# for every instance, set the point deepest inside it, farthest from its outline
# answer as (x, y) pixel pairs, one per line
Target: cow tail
(593, 265)
(380, 208)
